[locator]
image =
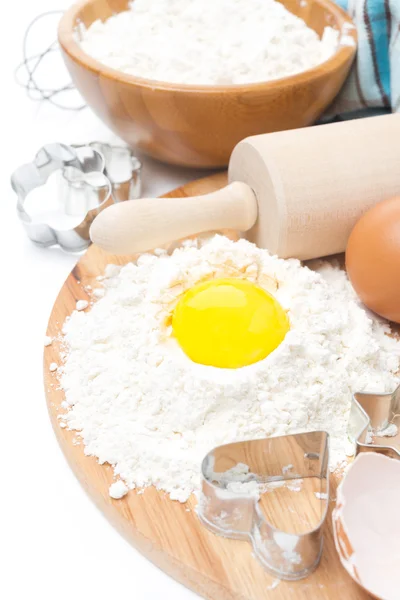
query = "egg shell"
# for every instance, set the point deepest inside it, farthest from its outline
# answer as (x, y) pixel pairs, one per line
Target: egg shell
(366, 524)
(373, 259)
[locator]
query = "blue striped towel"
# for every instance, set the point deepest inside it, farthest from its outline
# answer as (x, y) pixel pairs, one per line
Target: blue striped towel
(374, 80)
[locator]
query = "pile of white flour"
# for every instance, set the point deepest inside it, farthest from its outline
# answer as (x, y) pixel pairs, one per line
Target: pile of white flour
(218, 42)
(141, 405)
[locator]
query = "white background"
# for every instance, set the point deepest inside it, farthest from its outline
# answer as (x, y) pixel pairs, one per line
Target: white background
(54, 542)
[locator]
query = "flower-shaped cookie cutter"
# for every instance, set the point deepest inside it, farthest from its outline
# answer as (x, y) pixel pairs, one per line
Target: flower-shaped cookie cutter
(122, 168)
(83, 186)
(234, 479)
(370, 417)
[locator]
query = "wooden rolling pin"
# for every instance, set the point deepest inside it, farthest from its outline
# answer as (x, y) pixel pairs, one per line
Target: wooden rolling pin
(297, 193)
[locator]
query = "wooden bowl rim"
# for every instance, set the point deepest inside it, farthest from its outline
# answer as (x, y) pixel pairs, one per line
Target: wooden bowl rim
(343, 55)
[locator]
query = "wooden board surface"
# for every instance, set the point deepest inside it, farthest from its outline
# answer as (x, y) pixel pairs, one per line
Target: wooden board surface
(163, 530)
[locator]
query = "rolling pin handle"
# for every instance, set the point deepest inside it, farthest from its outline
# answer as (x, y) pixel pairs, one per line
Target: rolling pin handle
(141, 225)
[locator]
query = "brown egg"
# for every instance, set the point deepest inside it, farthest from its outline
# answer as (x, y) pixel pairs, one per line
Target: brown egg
(373, 259)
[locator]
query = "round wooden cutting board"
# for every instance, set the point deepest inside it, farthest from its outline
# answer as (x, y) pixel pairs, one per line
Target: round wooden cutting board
(167, 532)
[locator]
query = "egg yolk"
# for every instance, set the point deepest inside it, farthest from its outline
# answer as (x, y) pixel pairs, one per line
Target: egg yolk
(228, 323)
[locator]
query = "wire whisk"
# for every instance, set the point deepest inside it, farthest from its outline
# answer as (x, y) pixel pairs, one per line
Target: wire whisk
(27, 71)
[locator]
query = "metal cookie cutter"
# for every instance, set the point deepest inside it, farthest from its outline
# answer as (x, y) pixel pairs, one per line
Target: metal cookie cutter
(122, 168)
(234, 475)
(370, 415)
(81, 187)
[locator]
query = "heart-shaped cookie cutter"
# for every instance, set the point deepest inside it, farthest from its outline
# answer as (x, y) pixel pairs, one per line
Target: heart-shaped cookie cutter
(89, 178)
(370, 415)
(233, 477)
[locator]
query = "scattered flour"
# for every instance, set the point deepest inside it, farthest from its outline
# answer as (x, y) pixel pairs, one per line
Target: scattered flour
(48, 340)
(53, 367)
(118, 490)
(369, 437)
(391, 430)
(239, 480)
(295, 485)
(226, 42)
(141, 405)
(82, 304)
(321, 495)
(242, 482)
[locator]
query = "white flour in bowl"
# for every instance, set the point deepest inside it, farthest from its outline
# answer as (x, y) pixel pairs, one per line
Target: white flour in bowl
(218, 42)
(141, 405)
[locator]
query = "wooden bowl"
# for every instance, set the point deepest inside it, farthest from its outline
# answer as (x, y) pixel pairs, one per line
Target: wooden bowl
(198, 126)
